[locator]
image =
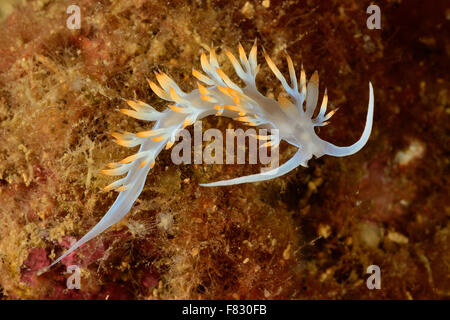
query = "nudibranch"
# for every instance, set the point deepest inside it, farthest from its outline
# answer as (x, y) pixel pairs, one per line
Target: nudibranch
(217, 94)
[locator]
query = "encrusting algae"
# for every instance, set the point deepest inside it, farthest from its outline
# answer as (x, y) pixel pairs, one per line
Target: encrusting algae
(310, 234)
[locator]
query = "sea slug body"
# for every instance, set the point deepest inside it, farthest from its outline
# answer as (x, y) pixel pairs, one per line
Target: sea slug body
(218, 95)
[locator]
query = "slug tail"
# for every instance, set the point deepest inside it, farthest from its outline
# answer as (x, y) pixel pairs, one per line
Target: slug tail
(118, 210)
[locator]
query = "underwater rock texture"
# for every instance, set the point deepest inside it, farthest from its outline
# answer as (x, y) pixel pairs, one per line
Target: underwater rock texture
(309, 234)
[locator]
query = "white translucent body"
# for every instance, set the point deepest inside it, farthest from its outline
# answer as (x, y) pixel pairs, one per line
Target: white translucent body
(292, 116)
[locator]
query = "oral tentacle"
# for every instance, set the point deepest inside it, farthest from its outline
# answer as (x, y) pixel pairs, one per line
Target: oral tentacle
(333, 150)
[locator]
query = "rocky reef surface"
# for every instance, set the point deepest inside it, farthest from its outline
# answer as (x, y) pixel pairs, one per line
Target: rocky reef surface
(307, 235)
